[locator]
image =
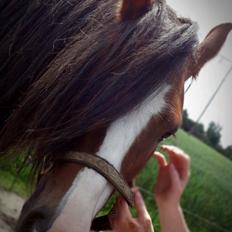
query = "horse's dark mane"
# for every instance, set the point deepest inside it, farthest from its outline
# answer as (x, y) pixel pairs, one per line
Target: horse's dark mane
(70, 67)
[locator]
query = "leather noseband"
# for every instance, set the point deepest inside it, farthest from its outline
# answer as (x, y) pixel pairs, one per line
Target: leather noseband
(104, 168)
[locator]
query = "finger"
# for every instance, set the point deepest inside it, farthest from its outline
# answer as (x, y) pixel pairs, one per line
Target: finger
(180, 160)
(174, 154)
(174, 176)
(163, 181)
(119, 211)
(172, 150)
(122, 209)
(182, 165)
(140, 205)
(162, 162)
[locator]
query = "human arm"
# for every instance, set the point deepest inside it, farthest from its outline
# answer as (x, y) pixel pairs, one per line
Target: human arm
(171, 181)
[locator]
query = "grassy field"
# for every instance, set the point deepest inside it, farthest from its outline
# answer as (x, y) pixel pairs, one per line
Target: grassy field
(207, 201)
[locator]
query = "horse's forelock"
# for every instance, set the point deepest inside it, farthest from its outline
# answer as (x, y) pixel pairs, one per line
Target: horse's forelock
(102, 73)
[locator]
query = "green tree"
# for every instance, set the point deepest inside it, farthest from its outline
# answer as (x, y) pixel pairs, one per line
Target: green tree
(213, 134)
(228, 152)
(187, 123)
(199, 132)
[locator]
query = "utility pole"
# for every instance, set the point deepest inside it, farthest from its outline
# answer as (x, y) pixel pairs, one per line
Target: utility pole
(214, 94)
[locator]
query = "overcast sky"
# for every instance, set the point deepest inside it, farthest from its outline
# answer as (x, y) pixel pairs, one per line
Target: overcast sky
(209, 13)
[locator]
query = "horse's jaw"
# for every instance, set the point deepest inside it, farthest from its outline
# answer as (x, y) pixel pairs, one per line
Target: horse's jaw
(85, 198)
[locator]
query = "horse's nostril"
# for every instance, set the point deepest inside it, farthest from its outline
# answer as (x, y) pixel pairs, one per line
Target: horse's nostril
(34, 221)
(44, 222)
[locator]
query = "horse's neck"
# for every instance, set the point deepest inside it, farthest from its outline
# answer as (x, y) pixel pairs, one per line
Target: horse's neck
(87, 195)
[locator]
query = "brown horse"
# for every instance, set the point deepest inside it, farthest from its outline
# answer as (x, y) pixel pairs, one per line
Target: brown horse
(91, 76)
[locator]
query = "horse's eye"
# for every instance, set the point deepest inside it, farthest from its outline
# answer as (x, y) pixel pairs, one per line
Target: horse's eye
(165, 136)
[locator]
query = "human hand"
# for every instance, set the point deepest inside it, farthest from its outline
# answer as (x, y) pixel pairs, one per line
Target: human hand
(121, 219)
(172, 177)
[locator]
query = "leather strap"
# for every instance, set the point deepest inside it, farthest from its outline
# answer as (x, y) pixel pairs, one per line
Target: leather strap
(104, 168)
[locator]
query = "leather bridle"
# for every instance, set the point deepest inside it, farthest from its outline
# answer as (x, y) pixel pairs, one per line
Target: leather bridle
(104, 168)
(108, 171)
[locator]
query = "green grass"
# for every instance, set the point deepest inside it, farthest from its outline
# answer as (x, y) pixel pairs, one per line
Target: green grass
(13, 180)
(8, 182)
(207, 201)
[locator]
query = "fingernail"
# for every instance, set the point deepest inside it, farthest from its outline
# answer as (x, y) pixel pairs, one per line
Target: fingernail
(135, 189)
(162, 147)
(165, 147)
(137, 194)
(156, 153)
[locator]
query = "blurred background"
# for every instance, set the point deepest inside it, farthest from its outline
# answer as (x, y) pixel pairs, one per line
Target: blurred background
(206, 130)
(205, 136)
(209, 13)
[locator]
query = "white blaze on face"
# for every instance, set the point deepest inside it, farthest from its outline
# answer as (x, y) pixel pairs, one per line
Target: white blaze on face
(89, 191)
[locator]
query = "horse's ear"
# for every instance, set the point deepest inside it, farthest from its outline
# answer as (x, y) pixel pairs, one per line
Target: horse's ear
(133, 9)
(211, 45)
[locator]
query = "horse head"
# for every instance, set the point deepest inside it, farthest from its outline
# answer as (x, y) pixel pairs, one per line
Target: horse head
(114, 89)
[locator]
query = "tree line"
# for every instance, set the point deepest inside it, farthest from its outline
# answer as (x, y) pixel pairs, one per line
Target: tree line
(210, 136)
